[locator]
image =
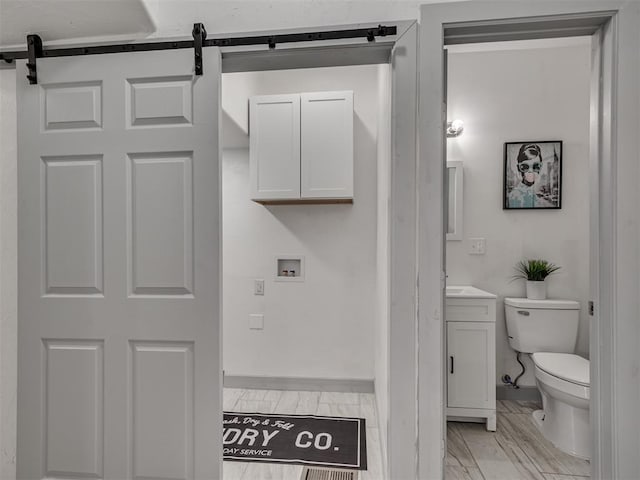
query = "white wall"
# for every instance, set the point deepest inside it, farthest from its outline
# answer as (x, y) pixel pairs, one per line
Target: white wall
(63, 20)
(8, 274)
(172, 18)
(521, 95)
(322, 327)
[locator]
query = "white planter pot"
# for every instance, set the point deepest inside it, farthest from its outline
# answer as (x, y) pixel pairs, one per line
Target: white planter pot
(536, 290)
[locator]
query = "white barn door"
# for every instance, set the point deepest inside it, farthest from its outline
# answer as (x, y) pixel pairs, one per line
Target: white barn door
(119, 353)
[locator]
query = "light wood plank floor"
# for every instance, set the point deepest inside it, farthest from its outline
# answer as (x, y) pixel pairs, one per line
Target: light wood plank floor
(292, 402)
(516, 451)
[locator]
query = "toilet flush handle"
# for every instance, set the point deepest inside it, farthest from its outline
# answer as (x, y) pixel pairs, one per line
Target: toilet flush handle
(524, 312)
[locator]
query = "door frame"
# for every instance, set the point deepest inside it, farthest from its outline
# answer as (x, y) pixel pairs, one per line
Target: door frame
(401, 453)
(614, 229)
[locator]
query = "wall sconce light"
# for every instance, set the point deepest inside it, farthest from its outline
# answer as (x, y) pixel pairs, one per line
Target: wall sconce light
(454, 128)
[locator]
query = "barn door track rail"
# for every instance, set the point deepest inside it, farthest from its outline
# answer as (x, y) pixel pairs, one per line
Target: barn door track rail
(35, 49)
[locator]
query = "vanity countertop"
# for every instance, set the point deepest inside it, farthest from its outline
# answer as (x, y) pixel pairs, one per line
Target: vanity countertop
(467, 291)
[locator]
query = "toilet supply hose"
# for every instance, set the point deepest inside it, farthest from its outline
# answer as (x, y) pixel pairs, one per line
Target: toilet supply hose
(506, 379)
(515, 382)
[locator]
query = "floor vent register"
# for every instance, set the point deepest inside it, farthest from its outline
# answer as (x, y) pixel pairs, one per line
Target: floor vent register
(314, 473)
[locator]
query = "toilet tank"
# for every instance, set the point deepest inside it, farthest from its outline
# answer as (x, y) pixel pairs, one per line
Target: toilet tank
(542, 325)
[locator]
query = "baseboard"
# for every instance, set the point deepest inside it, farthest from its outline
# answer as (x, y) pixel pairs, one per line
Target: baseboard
(524, 393)
(300, 383)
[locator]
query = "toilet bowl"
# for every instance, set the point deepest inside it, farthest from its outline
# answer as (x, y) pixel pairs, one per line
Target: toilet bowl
(563, 381)
(548, 329)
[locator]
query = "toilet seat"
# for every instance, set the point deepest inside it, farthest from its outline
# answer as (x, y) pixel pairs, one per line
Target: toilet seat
(564, 372)
(565, 366)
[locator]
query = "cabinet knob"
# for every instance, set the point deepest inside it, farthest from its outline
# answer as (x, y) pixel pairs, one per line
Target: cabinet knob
(524, 312)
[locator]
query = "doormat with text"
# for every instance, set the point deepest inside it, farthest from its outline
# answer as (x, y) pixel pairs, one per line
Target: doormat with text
(295, 439)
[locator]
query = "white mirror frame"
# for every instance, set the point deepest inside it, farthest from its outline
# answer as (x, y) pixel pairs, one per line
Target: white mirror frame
(454, 223)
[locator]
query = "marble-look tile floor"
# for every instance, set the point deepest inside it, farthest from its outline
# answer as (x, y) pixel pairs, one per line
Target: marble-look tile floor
(516, 451)
(294, 402)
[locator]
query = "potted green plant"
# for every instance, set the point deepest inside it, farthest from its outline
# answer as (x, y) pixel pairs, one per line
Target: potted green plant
(535, 271)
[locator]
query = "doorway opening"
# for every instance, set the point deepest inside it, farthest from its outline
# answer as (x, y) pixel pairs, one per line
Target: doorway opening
(303, 283)
(510, 95)
(448, 24)
(318, 340)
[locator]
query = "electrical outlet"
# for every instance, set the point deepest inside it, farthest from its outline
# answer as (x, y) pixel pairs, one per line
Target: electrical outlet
(258, 286)
(477, 246)
(256, 321)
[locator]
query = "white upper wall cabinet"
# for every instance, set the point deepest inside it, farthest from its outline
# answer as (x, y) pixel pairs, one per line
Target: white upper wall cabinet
(274, 145)
(301, 147)
(327, 145)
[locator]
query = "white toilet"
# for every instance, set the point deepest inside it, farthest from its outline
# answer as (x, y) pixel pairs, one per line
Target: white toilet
(547, 329)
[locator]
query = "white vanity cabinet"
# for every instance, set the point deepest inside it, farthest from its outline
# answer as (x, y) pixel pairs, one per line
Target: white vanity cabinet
(301, 147)
(471, 357)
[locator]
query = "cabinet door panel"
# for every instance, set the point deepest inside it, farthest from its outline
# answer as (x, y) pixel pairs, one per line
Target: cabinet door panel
(327, 145)
(274, 166)
(471, 364)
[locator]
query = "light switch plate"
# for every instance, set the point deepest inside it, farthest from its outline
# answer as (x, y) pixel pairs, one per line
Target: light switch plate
(256, 321)
(258, 286)
(477, 246)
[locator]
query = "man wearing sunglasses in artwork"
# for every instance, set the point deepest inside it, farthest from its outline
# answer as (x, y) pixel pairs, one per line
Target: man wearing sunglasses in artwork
(529, 166)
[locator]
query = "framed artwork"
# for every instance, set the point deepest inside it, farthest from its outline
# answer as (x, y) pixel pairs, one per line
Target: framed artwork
(532, 175)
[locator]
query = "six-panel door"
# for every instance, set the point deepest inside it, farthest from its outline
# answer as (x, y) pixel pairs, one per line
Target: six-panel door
(118, 262)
